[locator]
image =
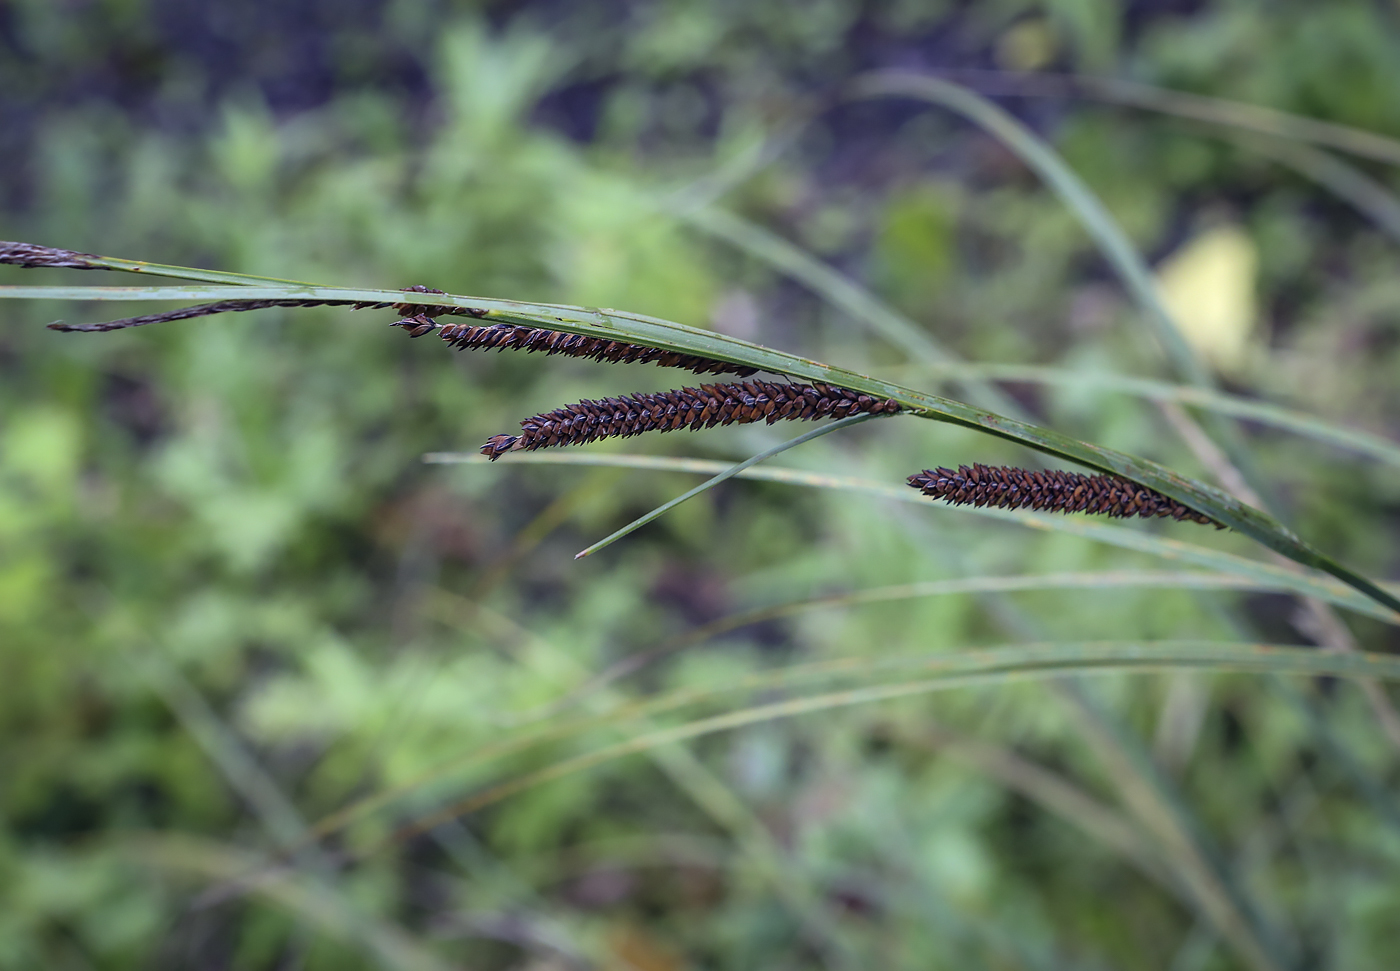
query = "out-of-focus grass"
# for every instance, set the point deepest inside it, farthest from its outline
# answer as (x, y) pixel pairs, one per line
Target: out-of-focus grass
(247, 493)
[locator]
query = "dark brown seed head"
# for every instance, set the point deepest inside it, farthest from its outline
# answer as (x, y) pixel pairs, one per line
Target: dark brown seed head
(1056, 490)
(512, 337)
(418, 320)
(694, 408)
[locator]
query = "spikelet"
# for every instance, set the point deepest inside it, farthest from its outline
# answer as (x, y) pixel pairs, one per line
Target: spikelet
(694, 408)
(1050, 491)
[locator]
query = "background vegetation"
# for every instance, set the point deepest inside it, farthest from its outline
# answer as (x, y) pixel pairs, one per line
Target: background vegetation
(235, 601)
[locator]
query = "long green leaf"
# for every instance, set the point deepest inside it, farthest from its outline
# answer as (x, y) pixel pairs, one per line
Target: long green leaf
(1208, 399)
(654, 332)
(388, 945)
(1300, 423)
(1113, 243)
(1183, 842)
(1237, 115)
(962, 668)
(972, 377)
(191, 273)
(1346, 182)
(949, 671)
(615, 324)
(1096, 219)
(850, 297)
(1269, 574)
(1287, 138)
(1102, 580)
(983, 666)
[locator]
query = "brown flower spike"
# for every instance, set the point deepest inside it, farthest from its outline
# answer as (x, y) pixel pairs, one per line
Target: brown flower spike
(503, 336)
(693, 408)
(1050, 491)
(419, 320)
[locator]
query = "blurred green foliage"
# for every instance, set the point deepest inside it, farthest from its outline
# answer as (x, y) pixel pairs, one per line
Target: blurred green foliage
(237, 505)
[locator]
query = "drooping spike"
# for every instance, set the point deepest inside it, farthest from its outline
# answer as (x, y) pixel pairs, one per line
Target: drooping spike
(1055, 490)
(695, 408)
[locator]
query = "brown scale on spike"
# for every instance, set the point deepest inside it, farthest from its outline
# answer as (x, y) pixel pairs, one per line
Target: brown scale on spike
(505, 336)
(420, 319)
(694, 408)
(1051, 491)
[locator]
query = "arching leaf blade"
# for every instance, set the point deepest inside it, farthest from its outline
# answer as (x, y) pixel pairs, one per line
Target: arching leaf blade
(654, 332)
(1272, 575)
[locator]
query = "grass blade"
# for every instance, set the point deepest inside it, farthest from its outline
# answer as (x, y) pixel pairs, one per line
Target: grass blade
(1104, 580)
(984, 666)
(654, 332)
(388, 945)
(1284, 578)
(702, 786)
(842, 292)
(1080, 199)
(274, 810)
(1183, 842)
(963, 669)
(1112, 241)
(1351, 185)
(1300, 423)
(728, 473)
(1053, 791)
(94, 261)
(1183, 104)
